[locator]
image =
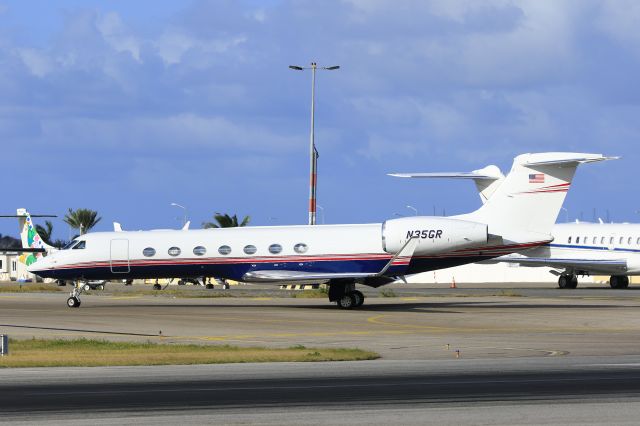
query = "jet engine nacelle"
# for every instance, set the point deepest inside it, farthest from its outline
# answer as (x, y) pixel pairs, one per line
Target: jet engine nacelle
(434, 234)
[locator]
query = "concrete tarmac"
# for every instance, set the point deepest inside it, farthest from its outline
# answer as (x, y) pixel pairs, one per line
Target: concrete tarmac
(472, 355)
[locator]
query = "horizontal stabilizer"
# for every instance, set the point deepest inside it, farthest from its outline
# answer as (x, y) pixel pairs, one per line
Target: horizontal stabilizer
(23, 250)
(568, 158)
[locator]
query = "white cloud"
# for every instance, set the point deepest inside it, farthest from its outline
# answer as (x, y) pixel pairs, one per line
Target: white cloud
(115, 34)
(36, 61)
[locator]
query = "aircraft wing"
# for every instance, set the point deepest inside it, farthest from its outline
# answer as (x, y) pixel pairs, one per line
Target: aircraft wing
(269, 276)
(401, 258)
(608, 265)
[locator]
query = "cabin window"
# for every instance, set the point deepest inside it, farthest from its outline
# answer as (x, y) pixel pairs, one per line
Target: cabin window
(595, 240)
(300, 248)
(569, 240)
(620, 241)
(577, 240)
(250, 249)
(611, 240)
(602, 240)
(224, 250)
(275, 248)
(585, 240)
(149, 252)
(629, 241)
(638, 241)
(174, 251)
(199, 251)
(81, 245)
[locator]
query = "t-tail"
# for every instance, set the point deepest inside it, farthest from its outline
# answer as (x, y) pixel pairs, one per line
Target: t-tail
(524, 205)
(30, 238)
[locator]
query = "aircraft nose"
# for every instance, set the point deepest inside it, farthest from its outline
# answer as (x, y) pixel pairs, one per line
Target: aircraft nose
(39, 266)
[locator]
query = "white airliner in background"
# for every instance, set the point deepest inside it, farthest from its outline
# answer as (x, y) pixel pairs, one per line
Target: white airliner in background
(518, 216)
(577, 248)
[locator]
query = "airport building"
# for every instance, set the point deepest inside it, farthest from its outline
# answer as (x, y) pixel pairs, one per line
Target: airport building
(11, 269)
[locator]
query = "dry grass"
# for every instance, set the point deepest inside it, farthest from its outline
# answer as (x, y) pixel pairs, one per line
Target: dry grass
(29, 288)
(93, 353)
(309, 294)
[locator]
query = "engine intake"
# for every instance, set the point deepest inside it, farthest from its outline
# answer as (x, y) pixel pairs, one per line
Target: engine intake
(434, 234)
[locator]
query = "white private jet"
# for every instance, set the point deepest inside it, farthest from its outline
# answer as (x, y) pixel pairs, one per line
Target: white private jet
(519, 216)
(577, 248)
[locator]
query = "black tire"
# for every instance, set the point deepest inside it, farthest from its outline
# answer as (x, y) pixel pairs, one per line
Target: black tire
(73, 302)
(564, 282)
(625, 282)
(615, 282)
(573, 282)
(347, 301)
(128, 282)
(209, 286)
(157, 287)
(100, 287)
(181, 282)
(359, 298)
(61, 283)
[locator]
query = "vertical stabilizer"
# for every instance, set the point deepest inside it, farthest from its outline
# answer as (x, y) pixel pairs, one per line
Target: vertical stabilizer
(530, 197)
(30, 238)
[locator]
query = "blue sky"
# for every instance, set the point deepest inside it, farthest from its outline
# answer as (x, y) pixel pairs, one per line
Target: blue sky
(125, 107)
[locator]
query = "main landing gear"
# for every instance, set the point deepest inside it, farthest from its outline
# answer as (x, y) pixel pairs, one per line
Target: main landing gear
(566, 281)
(345, 295)
(619, 281)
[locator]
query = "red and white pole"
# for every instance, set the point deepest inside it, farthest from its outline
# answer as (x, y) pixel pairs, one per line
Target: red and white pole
(313, 177)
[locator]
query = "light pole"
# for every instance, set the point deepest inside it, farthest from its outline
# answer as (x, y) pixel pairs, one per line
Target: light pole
(414, 210)
(313, 152)
(184, 221)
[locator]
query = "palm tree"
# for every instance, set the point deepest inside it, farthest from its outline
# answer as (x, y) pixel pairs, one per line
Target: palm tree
(45, 231)
(226, 221)
(82, 219)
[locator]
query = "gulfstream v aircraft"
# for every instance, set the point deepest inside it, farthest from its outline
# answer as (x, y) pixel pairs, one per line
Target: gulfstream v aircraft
(576, 249)
(518, 216)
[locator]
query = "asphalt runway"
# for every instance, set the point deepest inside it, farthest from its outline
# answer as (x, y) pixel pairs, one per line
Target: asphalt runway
(329, 393)
(472, 355)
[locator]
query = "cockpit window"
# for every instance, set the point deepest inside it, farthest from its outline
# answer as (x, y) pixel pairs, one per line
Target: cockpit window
(70, 244)
(81, 245)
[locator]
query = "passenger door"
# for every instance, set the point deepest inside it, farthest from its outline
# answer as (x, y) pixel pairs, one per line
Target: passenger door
(119, 256)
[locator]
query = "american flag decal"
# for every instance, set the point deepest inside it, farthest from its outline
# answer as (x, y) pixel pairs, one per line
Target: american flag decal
(536, 178)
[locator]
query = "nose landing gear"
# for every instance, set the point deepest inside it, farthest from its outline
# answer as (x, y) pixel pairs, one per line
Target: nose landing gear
(74, 297)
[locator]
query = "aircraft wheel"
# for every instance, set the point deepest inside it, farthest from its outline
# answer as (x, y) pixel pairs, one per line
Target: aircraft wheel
(615, 281)
(359, 298)
(73, 302)
(209, 286)
(86, 287)
(563, 281)
(101, 287)
(573, 282)
(347, 301)
(625, 282)
(157, 287)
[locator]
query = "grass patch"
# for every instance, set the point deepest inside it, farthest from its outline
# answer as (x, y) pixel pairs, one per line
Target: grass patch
(309, 294)
(387, 292)
(94, 353)
(29, 288)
